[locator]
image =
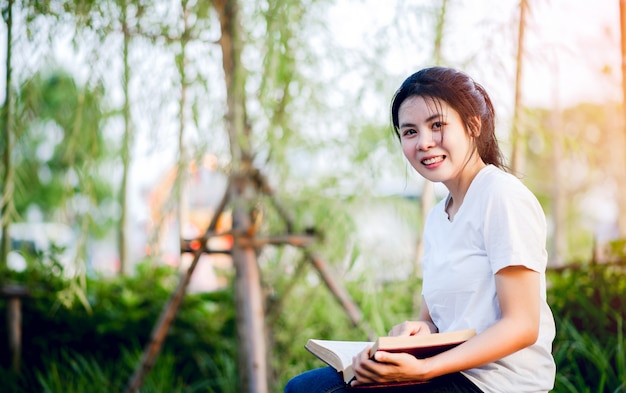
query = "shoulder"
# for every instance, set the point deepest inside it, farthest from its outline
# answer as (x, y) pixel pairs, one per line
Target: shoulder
(498, 177)
(501, 194)
(497, 183)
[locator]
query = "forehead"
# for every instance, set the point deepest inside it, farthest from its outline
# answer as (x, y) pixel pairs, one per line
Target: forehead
(420, 105)
(417, 109)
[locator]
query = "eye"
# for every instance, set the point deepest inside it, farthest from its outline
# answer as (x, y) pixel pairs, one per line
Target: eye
(438, 125)
(408, 132)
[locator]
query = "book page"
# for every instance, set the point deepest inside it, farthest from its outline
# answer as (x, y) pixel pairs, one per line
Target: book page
(344, 351)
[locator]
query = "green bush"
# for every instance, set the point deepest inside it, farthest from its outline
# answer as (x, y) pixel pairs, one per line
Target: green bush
(118, 319)
(587, 364)
(74, 373)
(589, 306)
(94, 345)
(590, 297)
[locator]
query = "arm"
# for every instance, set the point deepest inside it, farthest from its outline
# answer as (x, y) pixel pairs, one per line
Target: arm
(518, 294)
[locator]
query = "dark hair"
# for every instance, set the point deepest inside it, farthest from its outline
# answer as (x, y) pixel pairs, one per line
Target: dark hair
(467, 97)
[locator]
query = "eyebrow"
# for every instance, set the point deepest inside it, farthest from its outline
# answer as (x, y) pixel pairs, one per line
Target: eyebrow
(430, 118)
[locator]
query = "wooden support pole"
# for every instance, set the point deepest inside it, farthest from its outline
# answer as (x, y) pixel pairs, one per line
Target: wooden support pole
(322, 267)
(255, 242)
(14, 321)
(14, 295)
(339, 291)
(153, 347)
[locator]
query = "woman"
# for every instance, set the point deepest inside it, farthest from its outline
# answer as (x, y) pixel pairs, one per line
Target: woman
(484, 253)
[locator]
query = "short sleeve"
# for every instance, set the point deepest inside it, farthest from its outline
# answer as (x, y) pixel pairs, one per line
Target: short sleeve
(515, 228)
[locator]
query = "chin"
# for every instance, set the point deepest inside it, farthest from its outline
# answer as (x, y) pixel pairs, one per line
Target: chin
(431, 176)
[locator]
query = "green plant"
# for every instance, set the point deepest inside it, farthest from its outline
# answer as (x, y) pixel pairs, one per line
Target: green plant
(79, 373)
(588, 303)
(122, 312)
(591, 297)
(66, 344)
(74, 373)
(586, 364)
(617, 250)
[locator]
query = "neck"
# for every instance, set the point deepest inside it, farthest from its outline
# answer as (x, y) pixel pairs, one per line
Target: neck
(459, 186)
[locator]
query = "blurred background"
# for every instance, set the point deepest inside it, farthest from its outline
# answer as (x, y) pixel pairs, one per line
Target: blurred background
(117, 144)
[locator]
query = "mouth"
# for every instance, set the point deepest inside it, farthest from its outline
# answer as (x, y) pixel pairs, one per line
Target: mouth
(432, 160)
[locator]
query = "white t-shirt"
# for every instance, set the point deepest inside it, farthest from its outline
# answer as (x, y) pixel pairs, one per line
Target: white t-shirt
(500, 223)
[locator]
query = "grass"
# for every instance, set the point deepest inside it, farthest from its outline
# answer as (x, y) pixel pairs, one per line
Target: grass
(587, 365)
(80, 373)
(589, 348)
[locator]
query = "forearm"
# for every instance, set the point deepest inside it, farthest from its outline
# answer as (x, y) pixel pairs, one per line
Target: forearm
(518, 327)
(504, 338)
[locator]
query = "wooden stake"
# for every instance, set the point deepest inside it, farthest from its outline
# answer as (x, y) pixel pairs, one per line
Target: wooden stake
(14, 295)
(159, 332)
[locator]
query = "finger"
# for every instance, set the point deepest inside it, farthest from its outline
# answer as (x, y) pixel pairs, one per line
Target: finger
(391, 359)
(406, 328)
(365, 369)
(363, 375)
(400, 330)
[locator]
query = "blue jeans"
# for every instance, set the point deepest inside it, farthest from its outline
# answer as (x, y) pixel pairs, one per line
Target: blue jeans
(327, 380)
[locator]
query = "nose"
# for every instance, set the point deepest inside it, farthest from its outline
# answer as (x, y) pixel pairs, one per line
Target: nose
(426, 140)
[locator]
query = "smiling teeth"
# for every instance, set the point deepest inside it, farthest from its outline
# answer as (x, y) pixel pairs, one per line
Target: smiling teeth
(432, 160)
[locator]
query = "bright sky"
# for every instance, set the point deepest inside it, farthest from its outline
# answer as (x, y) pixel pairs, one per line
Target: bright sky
(576, 41)
(568, 44)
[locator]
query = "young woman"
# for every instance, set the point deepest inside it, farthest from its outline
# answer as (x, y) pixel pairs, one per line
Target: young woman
(484, 254)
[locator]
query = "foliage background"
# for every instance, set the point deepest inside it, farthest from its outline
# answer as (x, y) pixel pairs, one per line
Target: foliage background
(72, 350)
(99, 84)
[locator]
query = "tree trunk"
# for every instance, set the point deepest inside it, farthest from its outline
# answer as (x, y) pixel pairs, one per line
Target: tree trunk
(234, 75)
(126, 146)
(249, 301)
(439, 32)
(559, 199)
(517, 135)
(183, 160)
(248, 292)
(7, 119)
(622, 195)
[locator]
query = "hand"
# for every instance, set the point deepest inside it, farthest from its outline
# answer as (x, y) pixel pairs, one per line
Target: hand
(413, 328)
(387, 367)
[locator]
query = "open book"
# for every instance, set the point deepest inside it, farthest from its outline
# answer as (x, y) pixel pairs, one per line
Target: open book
(339, 354)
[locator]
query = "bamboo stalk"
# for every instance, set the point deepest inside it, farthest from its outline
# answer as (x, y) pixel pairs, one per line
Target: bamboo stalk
(6, 199)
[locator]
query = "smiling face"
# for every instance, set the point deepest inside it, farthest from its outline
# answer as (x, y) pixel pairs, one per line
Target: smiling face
(436, 143)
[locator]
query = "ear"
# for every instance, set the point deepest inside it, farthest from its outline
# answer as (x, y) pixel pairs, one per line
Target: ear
(474, 126)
